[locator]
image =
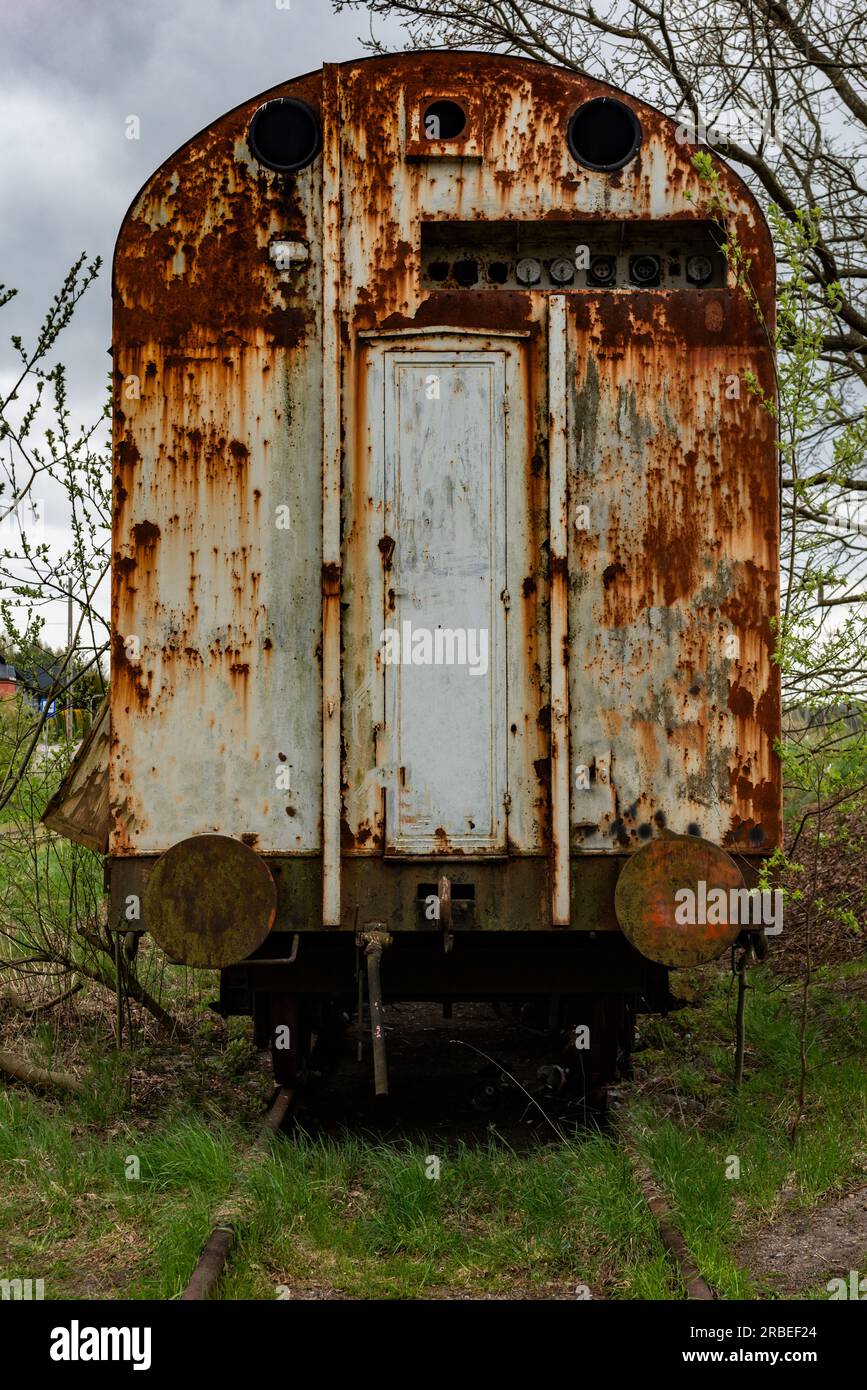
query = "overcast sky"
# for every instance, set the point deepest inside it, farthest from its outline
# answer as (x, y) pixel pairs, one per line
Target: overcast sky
(71, 72)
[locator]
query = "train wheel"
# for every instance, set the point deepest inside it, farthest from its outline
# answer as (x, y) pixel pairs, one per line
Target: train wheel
(288, 1036)
(597, 1037)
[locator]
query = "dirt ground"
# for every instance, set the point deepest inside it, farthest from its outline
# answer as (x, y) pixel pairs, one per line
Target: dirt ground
(804, 1248)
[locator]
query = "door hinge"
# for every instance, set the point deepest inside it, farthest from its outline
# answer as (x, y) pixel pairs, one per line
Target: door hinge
(507, 598)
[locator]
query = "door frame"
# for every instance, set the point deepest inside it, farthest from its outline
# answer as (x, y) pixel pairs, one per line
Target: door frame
(445, 342)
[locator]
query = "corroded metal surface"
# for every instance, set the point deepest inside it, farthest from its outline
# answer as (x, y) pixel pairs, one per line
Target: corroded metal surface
(331, 456)
(558, 613)
(653, 906)
(673, 574)
(79, 807)
(227, 409)
(210, 901)
(217, 595)
(444, 448)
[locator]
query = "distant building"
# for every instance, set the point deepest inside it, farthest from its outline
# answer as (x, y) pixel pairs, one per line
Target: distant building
(8, 681)
(34, 681)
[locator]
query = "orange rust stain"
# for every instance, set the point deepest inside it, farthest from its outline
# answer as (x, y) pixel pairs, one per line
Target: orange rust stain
(127, 680)
(146, 533)
(741, 701)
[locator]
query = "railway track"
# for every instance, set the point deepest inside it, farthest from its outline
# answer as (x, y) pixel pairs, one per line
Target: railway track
(228, 1220)
(216, 1250)
(697, 1288)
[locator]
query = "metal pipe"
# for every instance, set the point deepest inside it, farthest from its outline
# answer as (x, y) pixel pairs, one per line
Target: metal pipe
(331, 463)
(375, 945)
(360, 1008)
(118, 968)
(278, 960)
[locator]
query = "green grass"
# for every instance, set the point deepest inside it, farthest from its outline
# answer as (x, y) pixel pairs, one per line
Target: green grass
(828, 1149)
(357, 1217)
(353, 1218)
(366, 1220)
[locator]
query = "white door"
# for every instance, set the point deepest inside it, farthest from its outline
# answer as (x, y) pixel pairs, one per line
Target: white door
(444, 643)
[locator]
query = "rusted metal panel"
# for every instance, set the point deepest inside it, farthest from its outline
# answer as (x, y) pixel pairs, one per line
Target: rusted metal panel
(240, 411)
(444, 645)
(673, 574)
(514, 894)
(558, 510)
(519, 731)
(216, 693)
(79, 807)
(526, 173)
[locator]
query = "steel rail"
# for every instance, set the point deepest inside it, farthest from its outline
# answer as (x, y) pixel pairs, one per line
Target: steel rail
(216, 1250)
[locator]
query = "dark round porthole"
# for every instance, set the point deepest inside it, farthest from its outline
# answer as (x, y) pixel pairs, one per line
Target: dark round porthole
(285, 134)
(466, 272)
(443, 120)
(604, 134)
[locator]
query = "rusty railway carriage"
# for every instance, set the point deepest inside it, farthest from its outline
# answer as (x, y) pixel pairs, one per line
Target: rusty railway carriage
(445, 547)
